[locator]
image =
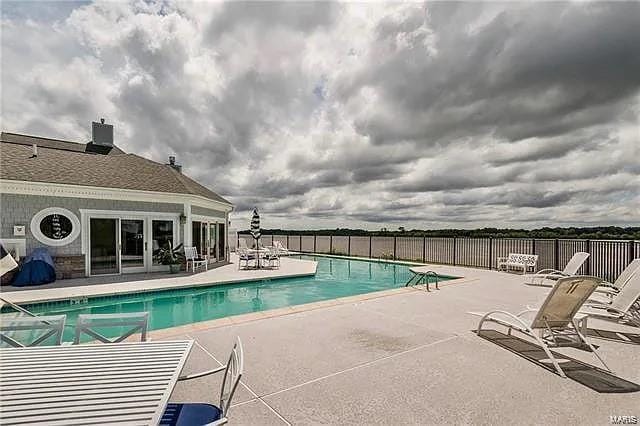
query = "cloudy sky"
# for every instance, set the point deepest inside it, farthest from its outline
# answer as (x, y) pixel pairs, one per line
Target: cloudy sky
(423, 115)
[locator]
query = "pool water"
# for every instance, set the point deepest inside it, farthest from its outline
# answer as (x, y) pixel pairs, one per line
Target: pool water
(335, 277)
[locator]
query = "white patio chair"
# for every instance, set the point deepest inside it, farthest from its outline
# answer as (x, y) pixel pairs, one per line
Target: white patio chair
(540, 278)
(132, 323)
(282, 250)
(27, 331)
(242, 244)
(245, 256)
(273, 257)
(191, 256)
(191, 414)
(553, 324)
(622, 307)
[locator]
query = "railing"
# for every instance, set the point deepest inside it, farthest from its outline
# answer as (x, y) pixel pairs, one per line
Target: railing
(608, 257)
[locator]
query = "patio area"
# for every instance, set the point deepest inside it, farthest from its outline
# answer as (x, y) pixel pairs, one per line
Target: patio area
(405, 356)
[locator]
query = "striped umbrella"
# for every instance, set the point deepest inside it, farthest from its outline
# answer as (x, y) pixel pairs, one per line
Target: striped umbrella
(255, 224)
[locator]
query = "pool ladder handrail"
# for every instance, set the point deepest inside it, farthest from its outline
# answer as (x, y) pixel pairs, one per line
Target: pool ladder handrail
(424, 275)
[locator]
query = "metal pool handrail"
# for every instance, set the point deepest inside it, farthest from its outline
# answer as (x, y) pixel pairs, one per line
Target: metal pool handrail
(423, 275)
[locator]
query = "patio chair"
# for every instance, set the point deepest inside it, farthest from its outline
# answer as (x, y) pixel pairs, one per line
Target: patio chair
(245, 256)
(540, 278)
(272, 256)
(191, 256)
(282, 250)
(242, 244)
(518, 262)
(27, 331)
(194, 414)
(129, 324)
(622, 307)
(554, 323)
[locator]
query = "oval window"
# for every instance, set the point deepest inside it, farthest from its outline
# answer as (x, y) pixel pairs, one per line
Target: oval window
(55, 226)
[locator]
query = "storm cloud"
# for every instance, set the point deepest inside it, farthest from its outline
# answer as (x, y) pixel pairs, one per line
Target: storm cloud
(326, 114)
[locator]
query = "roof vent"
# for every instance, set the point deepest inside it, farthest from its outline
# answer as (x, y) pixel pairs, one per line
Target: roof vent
(172, 163)
(34, 150)
(102, 134)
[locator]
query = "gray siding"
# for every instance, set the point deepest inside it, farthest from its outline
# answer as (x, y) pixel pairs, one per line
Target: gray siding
(207, 212)
(19, 209)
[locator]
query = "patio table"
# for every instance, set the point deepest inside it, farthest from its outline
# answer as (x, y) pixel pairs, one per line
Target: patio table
(127, 383)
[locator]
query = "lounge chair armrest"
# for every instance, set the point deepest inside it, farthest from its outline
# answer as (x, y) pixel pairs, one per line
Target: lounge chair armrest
(549, 272)
(202, 373)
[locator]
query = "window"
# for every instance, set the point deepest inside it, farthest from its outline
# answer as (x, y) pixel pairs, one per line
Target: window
(55, 226)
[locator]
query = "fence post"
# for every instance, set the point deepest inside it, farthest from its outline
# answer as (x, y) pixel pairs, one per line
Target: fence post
(630, 252)
(300, 246)
(349, 246)
(394, 247)
(330, 244)
(587, 266)
(237, 242)
(490, 253)
(314, 243)
(424, 249)
(288, 245)
(454, 251)
(533, 246)
(556, 250)
(369, 246)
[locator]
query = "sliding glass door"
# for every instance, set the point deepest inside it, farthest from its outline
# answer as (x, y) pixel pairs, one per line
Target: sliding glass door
(103, 248)
(132, 245)
(162, 238)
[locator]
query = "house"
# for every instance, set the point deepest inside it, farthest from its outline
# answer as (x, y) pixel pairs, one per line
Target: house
(99, 210)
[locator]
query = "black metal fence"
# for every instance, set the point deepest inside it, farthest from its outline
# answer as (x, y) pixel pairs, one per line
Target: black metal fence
(608, 257)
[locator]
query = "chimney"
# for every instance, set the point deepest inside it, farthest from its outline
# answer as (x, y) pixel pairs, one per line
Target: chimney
(102, 134)
(172, 163)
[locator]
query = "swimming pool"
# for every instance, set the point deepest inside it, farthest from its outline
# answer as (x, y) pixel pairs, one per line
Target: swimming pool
(335, 277)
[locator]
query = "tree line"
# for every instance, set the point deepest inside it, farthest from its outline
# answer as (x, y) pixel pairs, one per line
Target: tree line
(590, 233)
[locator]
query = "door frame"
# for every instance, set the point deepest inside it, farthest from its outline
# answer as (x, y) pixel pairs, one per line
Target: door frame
(119, 215)
(118, 256)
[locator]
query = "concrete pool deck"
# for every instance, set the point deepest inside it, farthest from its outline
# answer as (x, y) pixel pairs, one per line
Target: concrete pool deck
(85, 287)
(400, 356)
(403, 356)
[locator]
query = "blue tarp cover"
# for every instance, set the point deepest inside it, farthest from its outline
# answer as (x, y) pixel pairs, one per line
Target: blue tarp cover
(37, 269)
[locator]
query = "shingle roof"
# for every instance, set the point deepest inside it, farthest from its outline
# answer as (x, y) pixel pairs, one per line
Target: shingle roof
(77, 164)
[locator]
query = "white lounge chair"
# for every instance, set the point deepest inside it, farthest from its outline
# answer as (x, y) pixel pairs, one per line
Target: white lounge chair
(197, 261)
(622, 307)
(134, 322)
(545, 277)
(622, 280)
(554, 323)
(177, 414)
(25, 331)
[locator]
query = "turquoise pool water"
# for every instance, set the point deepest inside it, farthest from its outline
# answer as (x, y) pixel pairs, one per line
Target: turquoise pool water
(169, 308)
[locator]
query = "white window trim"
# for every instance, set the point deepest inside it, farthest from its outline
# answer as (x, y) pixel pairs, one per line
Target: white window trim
(37, 233)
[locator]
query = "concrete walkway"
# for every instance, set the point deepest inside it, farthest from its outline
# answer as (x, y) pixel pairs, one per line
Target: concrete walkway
(138, 283)
(406, 357)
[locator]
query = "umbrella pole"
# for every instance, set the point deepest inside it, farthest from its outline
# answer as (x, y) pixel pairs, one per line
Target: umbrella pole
(257, 254)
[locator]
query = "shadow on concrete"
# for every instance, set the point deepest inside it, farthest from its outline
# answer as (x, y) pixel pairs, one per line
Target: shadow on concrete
(614, 336)
(588, 375)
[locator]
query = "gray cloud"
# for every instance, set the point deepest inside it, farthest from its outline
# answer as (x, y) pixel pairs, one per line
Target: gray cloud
(324, 114)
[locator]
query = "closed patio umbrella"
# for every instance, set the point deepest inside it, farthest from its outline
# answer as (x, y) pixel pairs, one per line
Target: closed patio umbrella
(255, 231)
